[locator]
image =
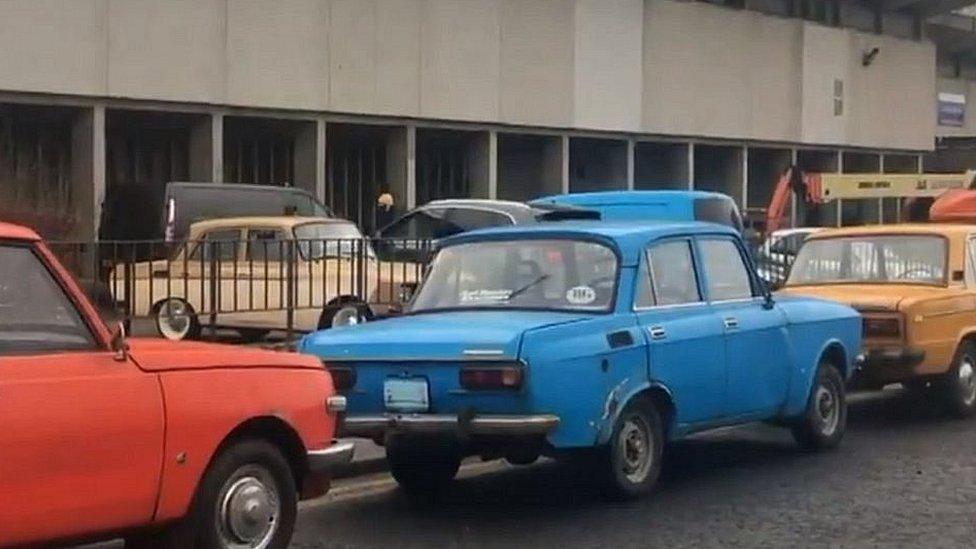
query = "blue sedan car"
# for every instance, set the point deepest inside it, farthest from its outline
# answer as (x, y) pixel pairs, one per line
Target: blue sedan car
(588, 338)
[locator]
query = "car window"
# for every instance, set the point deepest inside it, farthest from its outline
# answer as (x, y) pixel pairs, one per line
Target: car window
(728, 276)
(644, 296)
(469, 219)
(36, 316)
(425, 224)
(673, 278)
(221, 242)
(265, 245)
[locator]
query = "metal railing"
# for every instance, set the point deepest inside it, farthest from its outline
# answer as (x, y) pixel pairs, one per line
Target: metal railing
(257, 285)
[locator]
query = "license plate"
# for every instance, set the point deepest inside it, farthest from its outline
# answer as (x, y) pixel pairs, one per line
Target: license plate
(406, 395)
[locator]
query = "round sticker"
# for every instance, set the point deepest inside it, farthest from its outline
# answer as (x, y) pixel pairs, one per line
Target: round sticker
(581, 295)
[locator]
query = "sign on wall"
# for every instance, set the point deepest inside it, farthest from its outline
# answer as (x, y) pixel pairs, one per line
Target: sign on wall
(952, 109)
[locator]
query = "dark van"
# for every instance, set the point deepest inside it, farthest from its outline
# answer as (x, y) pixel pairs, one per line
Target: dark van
(186, 203)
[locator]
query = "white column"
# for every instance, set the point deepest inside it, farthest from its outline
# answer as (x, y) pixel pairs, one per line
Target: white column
(411, 167)
(794, 156)
(217, 148)
(98, 164)
(564, 183)
(493, 164)
(320, 151)
(881, 168)
(631, 159)
(691, 165)
(745, 177)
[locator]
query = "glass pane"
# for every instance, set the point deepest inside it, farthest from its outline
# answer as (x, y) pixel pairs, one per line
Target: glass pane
(35, 313)
(728, 277)
(673, 273)
(265, 245)
(871, 258)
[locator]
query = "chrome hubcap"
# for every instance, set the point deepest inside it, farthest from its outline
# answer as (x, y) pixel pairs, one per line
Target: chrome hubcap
(174, 319)
(636, 449)
(967, 380)
(827, 408)
(248, 510)
(347, 316)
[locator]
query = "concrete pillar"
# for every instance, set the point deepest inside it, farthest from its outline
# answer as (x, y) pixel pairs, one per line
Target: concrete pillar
(88, 168)
(320, 150)
(400, 171)
(204, 156)
(631, 159)
(492, 164)
(564, 169)
(411, 158)
(481, 166)
(217, 147)
(793, 162)
(691, 165)
(745, 177)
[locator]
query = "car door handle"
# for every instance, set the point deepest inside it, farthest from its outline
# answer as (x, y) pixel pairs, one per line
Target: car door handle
(619, 339)
(731, 323)
(657, 332)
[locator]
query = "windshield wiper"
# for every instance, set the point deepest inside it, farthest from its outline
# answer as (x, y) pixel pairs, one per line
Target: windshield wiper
(523, 289)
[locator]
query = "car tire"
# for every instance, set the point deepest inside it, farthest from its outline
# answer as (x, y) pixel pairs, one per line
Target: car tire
(252, 335)
(344, 314)
(176, 320)
(825, 419)
(423, 466)
(959, 384)
(631, 462)
(248, 472)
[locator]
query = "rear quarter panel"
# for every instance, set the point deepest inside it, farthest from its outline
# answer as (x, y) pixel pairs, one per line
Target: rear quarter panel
(204, 406)
(813, 326)
(937, 326)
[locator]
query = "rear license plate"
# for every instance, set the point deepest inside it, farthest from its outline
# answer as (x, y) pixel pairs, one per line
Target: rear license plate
(406, 395)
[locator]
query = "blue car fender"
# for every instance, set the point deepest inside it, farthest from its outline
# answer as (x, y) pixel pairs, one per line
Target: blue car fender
(806, 370)
(623, 394)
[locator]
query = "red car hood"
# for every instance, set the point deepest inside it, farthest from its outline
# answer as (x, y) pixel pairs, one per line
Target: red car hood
(156, 355)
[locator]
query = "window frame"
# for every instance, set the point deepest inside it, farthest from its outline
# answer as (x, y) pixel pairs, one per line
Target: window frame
(645, 266)
(98, 343)
(202, 239)
(755, 289)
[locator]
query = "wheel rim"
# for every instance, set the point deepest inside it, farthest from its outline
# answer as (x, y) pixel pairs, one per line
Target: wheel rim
(346, 316)
(827, 408)
(967, 381)
(174, 319)
(248, 509)
(636, 448)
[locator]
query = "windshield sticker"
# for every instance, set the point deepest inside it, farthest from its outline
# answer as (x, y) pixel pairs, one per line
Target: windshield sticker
(581, 295)
(479, 296)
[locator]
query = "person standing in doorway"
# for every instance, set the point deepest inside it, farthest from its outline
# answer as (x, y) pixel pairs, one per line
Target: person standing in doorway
(385, 213)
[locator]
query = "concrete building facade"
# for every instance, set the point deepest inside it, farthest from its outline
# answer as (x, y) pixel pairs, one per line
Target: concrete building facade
(103, 101)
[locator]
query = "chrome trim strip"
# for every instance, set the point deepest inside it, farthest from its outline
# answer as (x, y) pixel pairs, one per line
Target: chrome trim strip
(483, 352)
(503, 425)
(324, 460)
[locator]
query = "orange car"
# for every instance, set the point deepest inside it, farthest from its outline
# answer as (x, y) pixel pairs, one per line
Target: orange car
(915, 286)
(164, 444)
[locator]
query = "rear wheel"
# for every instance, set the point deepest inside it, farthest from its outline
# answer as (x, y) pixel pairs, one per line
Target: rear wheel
(423, 466)
(632, 461)
(959, 385)
(344, 314)
(825, 420)
(176, 320)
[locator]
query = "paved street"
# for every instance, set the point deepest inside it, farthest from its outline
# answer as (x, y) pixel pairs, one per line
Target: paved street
(906, 475)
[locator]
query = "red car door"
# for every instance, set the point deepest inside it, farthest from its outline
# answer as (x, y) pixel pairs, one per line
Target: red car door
(81, 432)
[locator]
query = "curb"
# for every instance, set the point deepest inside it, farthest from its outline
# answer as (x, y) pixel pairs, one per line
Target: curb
(361, 468)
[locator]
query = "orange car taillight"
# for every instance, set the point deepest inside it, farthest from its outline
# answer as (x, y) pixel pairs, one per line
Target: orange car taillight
(477, 377)
(888, 327)
(343, 377)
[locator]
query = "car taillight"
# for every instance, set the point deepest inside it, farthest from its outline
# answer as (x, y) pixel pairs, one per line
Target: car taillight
(343, 377)
(881, 327)
(477, 377)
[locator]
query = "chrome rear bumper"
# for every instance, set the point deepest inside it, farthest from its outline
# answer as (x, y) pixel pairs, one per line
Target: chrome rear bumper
(326, 459)
(490, 425)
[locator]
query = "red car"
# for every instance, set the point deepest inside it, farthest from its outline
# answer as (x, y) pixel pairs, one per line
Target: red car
(165, 444)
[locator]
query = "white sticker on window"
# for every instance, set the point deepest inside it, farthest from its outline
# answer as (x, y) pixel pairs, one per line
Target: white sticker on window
(581, 295)
(476, 296)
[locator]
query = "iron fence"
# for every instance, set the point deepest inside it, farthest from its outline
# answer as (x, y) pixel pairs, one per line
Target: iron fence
(253, 286)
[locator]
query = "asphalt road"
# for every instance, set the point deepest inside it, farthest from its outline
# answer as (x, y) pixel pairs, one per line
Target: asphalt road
(904, 476)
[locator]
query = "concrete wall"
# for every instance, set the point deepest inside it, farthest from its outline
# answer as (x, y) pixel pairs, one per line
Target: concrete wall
(647, 66)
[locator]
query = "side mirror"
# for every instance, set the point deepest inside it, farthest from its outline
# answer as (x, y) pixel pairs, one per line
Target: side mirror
(119, 345)
(768, 300)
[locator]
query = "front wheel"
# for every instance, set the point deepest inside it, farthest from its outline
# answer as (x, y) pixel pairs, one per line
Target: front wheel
(959, 385)
(176, 320)
(632, 461)
(825, 420)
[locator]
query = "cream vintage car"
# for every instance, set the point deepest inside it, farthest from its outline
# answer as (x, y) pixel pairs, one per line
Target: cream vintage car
(234, 273)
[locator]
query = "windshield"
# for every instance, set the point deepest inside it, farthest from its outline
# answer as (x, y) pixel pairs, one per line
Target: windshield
(535, 274)
(320, 240)
(872, 259)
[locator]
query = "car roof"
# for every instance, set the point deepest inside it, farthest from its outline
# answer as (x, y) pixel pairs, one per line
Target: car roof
(10, 231)
(520, 212)
(285, 221)
(629, 237)
(945, 229)
(629, 197)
